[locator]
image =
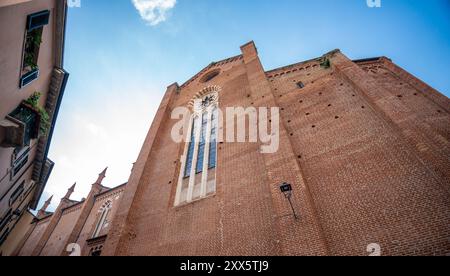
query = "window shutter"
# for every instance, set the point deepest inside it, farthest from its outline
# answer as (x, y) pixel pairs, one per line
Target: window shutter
(17, 193)
(5, 220)
(29, 77)
(37, 20)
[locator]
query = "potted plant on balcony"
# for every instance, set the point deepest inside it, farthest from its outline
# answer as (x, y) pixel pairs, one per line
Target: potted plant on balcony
(43, 124)
(28, 121)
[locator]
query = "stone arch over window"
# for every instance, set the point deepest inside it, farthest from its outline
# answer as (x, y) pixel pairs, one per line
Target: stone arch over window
(197, 178)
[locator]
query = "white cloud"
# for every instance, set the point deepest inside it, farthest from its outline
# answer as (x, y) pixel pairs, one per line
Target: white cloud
(154, 11)
(93, 134)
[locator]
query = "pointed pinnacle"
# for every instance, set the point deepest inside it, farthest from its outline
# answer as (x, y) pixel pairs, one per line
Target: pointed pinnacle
(103, 173)
(73, 187)
(49, 200)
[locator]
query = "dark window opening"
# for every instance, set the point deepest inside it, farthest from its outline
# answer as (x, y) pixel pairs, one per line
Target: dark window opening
(37, 20)
(212, 161)
(5, 220)
(31, 118)
(300, 85)
(20, 165)
(32, 44)
(96, 253)
(4, 236)
(17, 193)
(20, 162)
(209, 76)
(190, 154)
(202, 144)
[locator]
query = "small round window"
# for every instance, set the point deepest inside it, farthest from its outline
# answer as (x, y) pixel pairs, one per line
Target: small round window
(210, 75)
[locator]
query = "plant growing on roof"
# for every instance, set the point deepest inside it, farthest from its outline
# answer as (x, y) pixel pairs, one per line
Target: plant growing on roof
(325, 63)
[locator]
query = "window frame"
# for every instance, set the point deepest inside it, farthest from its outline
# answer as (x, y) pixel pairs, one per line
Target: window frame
(105, 210)
(32, 42)
(20, 162)
(205, 108)
(18, 192)
(6, 219)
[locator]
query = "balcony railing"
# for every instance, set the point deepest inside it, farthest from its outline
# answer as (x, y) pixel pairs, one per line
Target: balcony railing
(21, 126)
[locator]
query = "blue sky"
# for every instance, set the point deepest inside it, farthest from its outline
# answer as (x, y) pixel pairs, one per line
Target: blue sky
(121, 62)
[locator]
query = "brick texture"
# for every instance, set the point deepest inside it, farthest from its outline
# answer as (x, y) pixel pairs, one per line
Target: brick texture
(364, 143)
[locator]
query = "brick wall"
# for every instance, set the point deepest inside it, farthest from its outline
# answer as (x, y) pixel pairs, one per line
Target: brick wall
(58, 239)
(87, 232)
(366, 150)
(34, 238)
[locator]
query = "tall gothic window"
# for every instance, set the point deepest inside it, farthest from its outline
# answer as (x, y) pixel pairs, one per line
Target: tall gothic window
(213, 144)
(201, 145)
(198, 175)
(191, 149)
(104, 212)
(207, 116)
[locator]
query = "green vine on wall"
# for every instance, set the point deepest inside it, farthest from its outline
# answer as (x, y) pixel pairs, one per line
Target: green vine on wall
(29, 60)
(34, 40)
(44, 125)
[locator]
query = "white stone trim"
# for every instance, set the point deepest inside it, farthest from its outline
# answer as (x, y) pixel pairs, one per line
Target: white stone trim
(199, 112)
(194, 159)
(183, 163)
(206, 154)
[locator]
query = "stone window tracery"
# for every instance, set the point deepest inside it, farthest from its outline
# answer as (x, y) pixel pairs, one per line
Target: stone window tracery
(197, 179)
(104, 212)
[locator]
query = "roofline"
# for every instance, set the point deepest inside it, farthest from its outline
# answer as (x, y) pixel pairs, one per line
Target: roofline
(38, 194)
(305, 61)
(110, 190)
(207, 67)
(370, 59)
(49, 141)
(75, 204)
(37, 219)
(64, 36)
(41, 187)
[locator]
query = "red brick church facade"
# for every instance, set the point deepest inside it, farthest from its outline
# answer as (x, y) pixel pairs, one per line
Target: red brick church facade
(364, 144)
(84, 223)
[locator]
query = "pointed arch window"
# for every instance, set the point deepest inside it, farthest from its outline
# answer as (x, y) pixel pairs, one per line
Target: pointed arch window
(201, 145)
(104, 212)
(197, 179)
(207, 122)
(212, 158)
(191, 149)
